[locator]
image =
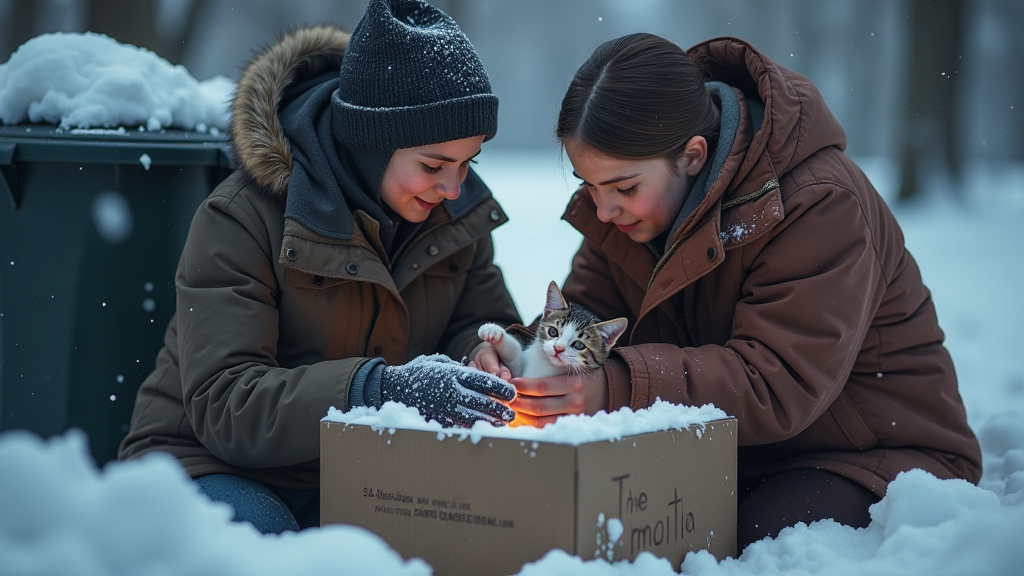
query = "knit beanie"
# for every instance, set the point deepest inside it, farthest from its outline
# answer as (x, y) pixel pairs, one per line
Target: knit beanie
(410, 77)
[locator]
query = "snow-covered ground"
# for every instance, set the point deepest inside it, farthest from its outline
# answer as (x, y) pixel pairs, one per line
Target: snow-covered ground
(61, 515)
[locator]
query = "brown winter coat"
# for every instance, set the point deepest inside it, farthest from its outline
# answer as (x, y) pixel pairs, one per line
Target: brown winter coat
(273, 320)
(788, 299)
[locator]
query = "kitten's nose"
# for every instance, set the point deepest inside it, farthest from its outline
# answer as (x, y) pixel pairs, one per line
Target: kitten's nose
(559, 349)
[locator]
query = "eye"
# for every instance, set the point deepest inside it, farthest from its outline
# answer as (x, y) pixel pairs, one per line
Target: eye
(552, 332)
(629, 191)
(578, 345)
(431, 169)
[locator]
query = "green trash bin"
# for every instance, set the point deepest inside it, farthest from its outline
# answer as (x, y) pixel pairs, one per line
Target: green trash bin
(92, 224)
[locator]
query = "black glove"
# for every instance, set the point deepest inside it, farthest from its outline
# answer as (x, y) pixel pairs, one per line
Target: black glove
(445, 390)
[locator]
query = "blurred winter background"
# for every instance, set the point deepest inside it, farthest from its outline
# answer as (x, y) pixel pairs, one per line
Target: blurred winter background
(928, 91)
(929, 85)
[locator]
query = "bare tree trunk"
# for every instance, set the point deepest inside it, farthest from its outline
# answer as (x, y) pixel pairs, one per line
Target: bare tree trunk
(1013, 11)
(130, 22)
(173, 49)
(20, 26)
(930, 128)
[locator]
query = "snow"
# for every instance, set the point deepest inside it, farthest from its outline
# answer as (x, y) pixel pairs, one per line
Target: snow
(112, 216)
(573, 430)
(59, 514)
(91, 81)
(607, 539)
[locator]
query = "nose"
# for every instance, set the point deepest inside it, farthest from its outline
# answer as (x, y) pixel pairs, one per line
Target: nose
(559, 348)
(448, 187)
(607, 210)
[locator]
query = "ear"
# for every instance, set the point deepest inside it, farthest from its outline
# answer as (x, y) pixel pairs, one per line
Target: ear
(694, 156)
(611, 330)
(554, 300)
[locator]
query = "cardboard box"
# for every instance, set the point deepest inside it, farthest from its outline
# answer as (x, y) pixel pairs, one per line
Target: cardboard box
(490, 507)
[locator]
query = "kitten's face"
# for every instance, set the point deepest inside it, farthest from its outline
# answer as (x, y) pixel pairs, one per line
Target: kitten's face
(569, 343)
(573, 338)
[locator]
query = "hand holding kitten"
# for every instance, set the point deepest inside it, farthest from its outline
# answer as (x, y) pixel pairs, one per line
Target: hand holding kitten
(561, 370)
(541, 401)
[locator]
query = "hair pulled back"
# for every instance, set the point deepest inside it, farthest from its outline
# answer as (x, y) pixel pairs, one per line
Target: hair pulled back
(638, 96)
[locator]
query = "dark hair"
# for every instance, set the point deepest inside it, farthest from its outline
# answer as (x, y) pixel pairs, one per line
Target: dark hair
(638, 96)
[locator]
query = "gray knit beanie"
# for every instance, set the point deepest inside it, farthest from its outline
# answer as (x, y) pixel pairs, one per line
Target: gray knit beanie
(410, 77)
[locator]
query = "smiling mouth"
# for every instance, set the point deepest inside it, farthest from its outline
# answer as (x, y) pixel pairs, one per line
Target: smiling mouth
(427, 205)
(627, 228)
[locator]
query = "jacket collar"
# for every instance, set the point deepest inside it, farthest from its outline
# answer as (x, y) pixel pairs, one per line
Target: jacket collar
(361, 256)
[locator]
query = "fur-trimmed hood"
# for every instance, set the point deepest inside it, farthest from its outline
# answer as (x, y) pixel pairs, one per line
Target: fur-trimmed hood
(257, 139)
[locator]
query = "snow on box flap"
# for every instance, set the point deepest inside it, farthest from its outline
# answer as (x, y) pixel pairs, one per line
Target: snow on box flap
(573, 430)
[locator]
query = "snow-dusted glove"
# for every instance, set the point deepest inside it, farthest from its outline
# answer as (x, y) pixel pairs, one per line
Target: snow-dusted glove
(445, 390)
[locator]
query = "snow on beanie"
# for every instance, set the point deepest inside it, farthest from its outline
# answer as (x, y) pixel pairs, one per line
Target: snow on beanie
(410, 77)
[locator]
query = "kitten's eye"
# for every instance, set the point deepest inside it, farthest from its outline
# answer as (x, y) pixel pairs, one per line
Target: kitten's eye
(578, 345)
(552, 332)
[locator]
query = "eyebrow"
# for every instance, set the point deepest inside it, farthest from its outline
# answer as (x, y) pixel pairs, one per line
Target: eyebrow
(444, 158)
(610, 180)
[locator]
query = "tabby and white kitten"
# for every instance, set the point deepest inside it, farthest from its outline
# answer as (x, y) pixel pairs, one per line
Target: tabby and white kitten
(570, 340)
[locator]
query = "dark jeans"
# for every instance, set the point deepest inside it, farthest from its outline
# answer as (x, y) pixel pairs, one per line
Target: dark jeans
(767, 506)
(270, 510)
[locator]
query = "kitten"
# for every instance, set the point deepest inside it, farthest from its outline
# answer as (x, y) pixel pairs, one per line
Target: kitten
(570, 339)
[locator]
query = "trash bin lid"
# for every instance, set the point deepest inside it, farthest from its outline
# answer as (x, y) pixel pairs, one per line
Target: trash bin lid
(48, 143)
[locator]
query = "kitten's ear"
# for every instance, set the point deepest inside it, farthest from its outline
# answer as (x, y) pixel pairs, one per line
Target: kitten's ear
(611, 330)
(554, 300)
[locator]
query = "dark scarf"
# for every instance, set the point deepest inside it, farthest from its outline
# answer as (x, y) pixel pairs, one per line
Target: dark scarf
(330, 181)
(729, 106)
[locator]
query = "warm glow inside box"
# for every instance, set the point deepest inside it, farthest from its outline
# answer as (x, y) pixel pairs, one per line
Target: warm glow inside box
(487, 505)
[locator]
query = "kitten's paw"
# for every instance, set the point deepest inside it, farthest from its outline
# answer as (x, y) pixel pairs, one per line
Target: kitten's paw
(491, 333)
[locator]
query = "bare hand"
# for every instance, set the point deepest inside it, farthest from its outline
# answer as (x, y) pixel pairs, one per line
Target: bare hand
(487, 361)
(542, 400)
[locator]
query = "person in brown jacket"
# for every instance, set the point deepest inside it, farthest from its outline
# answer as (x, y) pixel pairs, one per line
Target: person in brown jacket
(760, 272)
(353, 238)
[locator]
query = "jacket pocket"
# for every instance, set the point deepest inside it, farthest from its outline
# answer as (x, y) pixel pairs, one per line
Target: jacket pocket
(300, 279)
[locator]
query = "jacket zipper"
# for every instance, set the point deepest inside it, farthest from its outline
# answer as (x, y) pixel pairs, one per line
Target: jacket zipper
(765, 188)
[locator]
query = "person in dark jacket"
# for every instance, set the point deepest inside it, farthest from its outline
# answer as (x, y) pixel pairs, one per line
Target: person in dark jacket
(354, 238)
(760, 271)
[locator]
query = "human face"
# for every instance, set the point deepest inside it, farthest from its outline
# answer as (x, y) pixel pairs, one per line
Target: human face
(641, 197)
(416, 180)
